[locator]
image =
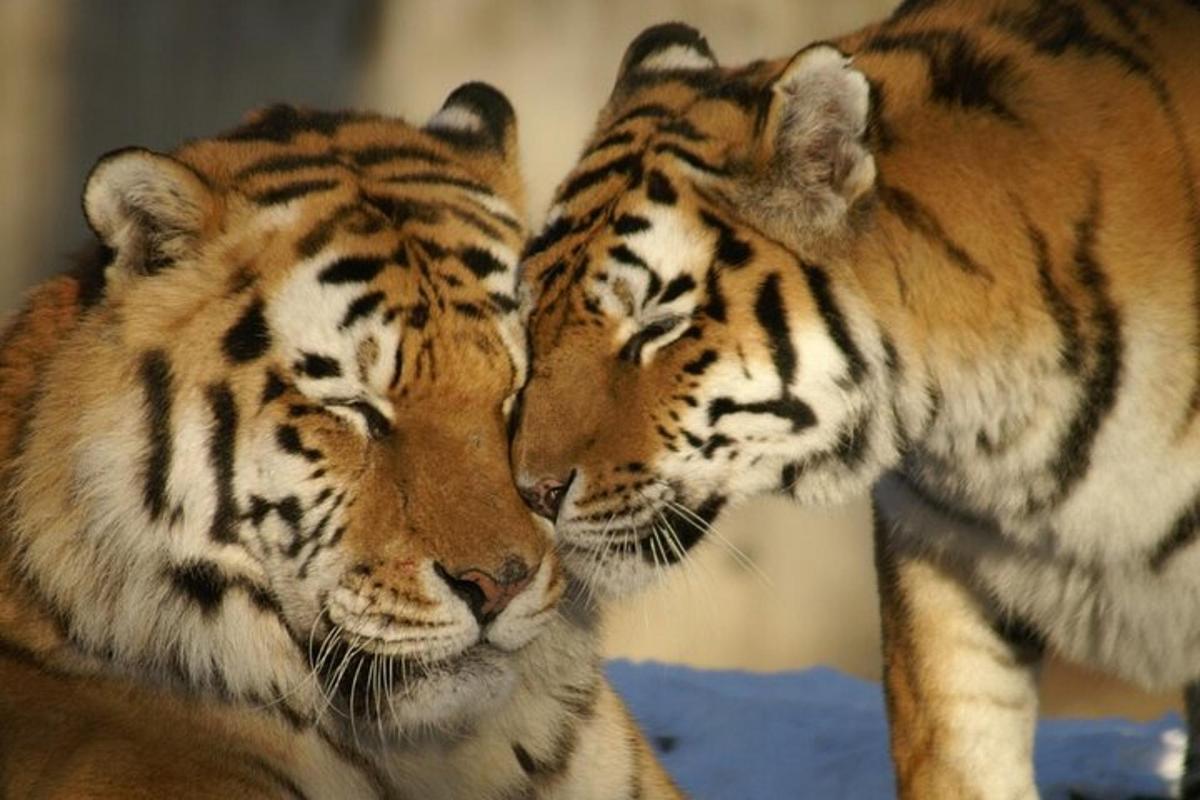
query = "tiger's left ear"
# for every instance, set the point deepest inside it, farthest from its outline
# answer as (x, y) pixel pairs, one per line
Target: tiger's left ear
(477, 115)
(812, 162)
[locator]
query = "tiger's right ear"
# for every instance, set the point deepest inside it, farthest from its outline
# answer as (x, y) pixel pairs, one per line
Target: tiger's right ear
(148, 208)
(662, 49)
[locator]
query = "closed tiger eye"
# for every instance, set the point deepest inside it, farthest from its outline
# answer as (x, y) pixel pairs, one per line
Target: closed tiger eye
(632, 350)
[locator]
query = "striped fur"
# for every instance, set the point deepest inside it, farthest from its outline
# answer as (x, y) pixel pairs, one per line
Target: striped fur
(954, 256)
(260, 536)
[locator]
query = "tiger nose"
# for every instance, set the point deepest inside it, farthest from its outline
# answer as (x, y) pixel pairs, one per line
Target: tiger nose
(486, 594)
(545, 496)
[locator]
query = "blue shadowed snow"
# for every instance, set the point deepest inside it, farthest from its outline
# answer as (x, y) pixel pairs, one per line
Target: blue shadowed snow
(819, 733)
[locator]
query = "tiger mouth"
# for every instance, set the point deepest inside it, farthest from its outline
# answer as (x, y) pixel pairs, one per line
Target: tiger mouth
(668, 539)
(367, 682)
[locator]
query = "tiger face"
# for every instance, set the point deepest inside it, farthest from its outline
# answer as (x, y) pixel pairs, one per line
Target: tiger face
(683, 335)
(271, 458)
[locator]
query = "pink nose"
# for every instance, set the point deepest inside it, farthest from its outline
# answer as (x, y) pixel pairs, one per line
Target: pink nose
(487, 595)
(545, 496)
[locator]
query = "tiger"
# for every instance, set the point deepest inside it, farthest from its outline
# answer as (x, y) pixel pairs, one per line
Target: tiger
(259, 533)
(951, 259)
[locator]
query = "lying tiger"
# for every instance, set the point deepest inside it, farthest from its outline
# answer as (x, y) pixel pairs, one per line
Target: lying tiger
(260, 536)
(954, 256)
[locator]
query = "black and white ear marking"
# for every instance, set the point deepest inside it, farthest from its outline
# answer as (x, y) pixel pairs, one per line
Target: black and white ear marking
(670, 47)
(814, 162)
(147, 207)
(476, 114)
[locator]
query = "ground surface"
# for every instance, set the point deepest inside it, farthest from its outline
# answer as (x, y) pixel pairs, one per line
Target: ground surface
(817, 733)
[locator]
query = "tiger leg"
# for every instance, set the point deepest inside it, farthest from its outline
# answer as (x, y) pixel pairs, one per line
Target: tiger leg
(1189, 784)
(961, 696)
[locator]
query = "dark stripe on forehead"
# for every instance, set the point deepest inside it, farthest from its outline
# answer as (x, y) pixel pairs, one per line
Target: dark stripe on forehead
(289, 163)
(352, 270)
(677, 287)
(292, 191)
(627, 257)
(370, 156)
(155, 374)
(648, 111)
(249, 338)
(361, 307)
(439, 179)
(835, 322)
(617, 139)
(627, 165)
(771, 314)
(221, 453)
(691, 159)
(481, 262)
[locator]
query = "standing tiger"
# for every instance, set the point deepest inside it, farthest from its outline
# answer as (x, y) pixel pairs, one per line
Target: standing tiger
(260, 536)
(954, 256)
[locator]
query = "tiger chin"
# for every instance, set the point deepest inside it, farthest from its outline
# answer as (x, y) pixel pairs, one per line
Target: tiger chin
(260, 536)
(954, 258)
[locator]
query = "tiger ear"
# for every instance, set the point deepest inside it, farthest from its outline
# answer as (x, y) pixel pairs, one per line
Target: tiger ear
(812, 162)
(666, 48)
(146, 207)
(477, 115)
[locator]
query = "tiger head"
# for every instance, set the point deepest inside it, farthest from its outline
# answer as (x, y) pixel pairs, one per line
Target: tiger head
(688, 349)
(270, 458)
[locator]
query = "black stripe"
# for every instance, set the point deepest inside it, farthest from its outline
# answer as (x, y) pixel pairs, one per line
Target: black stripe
(714, 304)
(627, 165)
(352, 270)
(283, 782)
(288, 163)
(201, 582)
(627, 257)
(648, 111)
(792, 409)
(771, 314)
(361, 307)
(677, 287)
(221, 450)
(322, 233)
(280, 123)
(1184, 532)
(475, 221)
(155, 374)
(249, 338)
(691, 159)
(481, 262)
(288, 439)
(659, 189)
(284, 194)
(959, 74)
(731, 251)
(627, 224)
(1065, 317)
(549, 236)
(611, 140)
(439, 179)
(835, 322)
(701, 363)
(370, 156)
(916, 216)
(1100, 386)
(315, 365)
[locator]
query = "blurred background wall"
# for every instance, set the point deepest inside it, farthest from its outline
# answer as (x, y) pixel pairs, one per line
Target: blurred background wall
(79, 78)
